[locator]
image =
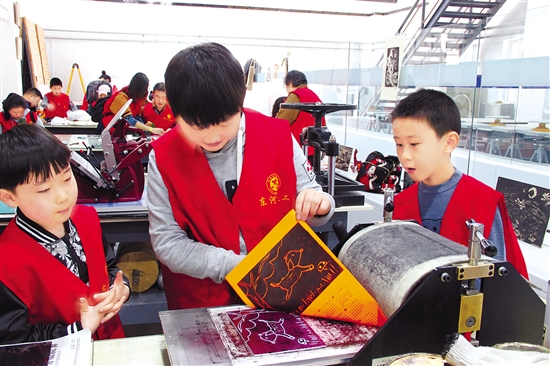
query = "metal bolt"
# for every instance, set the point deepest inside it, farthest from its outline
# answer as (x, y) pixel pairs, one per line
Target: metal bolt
(470, 321)
(445, 277)
(502, 271)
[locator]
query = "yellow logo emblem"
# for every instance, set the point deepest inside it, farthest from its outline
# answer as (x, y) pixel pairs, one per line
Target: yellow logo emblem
(273, 183)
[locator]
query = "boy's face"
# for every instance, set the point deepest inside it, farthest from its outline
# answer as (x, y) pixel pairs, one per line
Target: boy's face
(159, 100)
(56, 90)
(213, 138)
(48, 203)
(424, 155)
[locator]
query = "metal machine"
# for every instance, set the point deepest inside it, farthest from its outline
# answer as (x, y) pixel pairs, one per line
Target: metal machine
(343, 189)
(430, 287)
(120, 176)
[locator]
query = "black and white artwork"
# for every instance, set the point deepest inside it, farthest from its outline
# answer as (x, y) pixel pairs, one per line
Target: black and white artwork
(529, 209)
(391, 77)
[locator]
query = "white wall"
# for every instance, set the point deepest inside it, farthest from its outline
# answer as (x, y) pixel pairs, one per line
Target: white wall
(10, 67)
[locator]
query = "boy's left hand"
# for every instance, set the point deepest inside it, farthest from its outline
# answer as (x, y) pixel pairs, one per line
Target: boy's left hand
(311, 202)
(113, 299)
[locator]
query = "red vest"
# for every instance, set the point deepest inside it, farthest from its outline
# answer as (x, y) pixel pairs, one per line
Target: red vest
(266, 192)
(305, 119)
(135, 107)
(48, 289)
(10, 122)
(164, 119)
(462, 207)
(62, 105)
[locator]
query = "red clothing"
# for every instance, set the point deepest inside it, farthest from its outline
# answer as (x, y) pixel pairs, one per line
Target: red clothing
(266, 192)
(62, 105)
(164, 119)
(305, 119)
(10, 123)
(119, 98)
(461, 208)
(50, 290)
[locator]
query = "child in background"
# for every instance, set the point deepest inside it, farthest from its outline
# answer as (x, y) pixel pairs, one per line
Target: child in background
(56, 103)
(13, 112)
(216, 186)
(137, 90)
(58, 274)
(96, 108)
(426, 130)
(158, 113)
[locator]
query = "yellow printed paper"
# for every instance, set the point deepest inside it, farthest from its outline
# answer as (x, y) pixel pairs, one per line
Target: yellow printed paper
(292, 270)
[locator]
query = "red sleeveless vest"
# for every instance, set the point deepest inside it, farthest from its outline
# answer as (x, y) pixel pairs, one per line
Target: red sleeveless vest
(305, 119)
(266, 192)
(48, 289)
(62, 105)
(135, 107)
(164, 119)
(461, 208)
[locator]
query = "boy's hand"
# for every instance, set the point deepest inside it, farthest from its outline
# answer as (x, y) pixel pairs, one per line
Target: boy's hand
(89, 315)
(157, 131)
(112, 300)
(311, 202)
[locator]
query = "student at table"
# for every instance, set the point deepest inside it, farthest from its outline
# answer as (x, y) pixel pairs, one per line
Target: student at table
(14, 112)
(158, 113)
(56, 103)
(216, 186)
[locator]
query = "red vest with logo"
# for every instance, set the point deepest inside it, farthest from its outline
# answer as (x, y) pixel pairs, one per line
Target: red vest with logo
(266, 192)
(462, 207)
(62, 105)
(305, 119)
(164, 119)
(48, 289)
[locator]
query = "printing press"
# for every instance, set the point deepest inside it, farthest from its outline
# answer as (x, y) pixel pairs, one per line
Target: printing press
(428, 286)
(120, 177)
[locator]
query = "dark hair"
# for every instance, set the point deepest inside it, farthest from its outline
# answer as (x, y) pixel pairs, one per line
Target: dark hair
(277, 105)
(33, 91)
(159, 87)
(55, 81)
(12, 101)
(104, 76)
(295, 77)
(433, 106)
(205, 85)
(30, 151)
(139, 86)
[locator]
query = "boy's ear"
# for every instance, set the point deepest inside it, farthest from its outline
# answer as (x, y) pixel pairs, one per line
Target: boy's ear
(451, 141)
(8, 198)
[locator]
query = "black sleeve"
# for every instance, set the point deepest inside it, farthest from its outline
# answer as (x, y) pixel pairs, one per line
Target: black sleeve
(112, 269)
(14, 326)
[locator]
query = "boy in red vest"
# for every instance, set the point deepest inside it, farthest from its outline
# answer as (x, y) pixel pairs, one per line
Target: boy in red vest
(58, 274)
(298, 92)
(158, 113)
(56, 103)
(221, 179)
(426, 130)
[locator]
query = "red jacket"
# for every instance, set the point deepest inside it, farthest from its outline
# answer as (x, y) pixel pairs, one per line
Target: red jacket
(49, 290)
(462, 207)
(62, 105)
(304, 119)
(164, 119)
(266, 192)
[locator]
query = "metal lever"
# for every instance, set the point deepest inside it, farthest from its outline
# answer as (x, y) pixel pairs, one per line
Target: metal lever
(477, 243)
